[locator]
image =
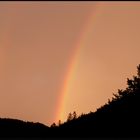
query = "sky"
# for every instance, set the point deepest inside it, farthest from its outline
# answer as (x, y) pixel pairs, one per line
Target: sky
(60, 57)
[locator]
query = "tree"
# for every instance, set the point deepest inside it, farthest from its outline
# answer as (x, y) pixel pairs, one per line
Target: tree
(59, 122)
(134, 84)
(74, 115)
(138, 71)
(69, 117)
(53, 125)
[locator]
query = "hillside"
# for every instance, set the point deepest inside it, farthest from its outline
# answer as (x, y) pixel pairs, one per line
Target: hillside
(117, 118)
(18, 128)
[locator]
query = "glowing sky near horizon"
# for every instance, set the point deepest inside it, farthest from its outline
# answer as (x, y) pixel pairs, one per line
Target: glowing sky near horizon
(38, 55)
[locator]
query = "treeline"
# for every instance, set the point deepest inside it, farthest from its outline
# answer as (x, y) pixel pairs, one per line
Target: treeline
(117, 118)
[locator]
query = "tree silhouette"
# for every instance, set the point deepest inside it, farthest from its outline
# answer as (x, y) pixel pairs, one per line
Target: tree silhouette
(132, 86)
(70, 117)
(74, 115)
(138, 71)
(59, 122)
(53, 125)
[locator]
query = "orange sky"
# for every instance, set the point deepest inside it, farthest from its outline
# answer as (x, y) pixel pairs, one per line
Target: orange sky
(38, 41)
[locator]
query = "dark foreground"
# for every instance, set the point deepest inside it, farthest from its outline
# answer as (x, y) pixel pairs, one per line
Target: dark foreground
(119, 118)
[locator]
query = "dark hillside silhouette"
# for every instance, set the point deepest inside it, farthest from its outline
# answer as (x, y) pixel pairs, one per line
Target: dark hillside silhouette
(117, 118)
(18, 128)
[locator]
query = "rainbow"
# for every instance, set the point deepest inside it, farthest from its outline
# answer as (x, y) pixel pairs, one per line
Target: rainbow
(73, 65)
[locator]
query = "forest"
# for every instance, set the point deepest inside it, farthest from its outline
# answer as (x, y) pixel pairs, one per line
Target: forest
(119, 117)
